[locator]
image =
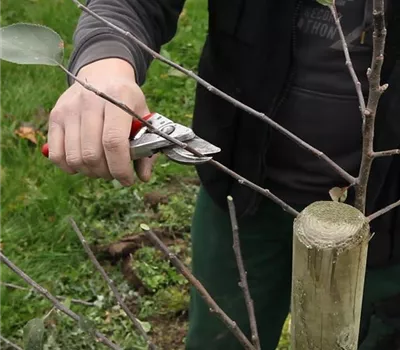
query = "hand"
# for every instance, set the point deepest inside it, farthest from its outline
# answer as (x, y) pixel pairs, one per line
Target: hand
(89, 135)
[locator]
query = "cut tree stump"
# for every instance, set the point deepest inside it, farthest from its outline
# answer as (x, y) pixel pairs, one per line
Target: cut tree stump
(330, 244)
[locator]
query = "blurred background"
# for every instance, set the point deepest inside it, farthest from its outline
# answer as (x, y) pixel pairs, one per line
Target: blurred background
(37, 199)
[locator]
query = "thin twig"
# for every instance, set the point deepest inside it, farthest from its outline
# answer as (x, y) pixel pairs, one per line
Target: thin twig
(49, 313)
(9, 343)
(391, 152)
(225, 96)
(232, 326)
(383, 211)
(43, 291)
(243, 275)
(375, 93)
(239, 178)
(349, 62)
(111, 284)
(76, 301)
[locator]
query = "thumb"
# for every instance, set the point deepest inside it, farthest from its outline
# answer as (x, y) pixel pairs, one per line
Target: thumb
(144, 168)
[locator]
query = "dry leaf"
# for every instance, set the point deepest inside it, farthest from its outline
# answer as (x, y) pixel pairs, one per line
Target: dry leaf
(338, 194)
(28, 132)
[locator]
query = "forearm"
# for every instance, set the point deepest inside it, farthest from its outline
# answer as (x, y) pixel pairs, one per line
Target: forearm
(152, 21)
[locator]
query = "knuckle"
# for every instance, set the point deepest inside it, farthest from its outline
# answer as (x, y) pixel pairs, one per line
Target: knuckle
(114, 90)
(87, 99)
(56, 158)
(56, 115)
(113, 140)
(73, 160)
(90, 156)
(118, 88)
(125, 90)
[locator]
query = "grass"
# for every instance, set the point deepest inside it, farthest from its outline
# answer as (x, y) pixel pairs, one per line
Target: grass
(37, 198)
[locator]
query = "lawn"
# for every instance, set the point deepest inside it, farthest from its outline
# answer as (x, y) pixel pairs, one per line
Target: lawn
(37, 199)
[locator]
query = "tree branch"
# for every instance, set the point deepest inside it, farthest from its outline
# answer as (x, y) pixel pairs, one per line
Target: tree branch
(76, 301)
(383, 211)
(223, 95)
(9, 343)
(111, 284)
(243, 275)
(232, 326)
(375, 92)
(349, 62)
(391, 152)
(239, 178)
(43, 291)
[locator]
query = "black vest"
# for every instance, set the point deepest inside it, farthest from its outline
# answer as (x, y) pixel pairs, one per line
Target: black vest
(248, 54)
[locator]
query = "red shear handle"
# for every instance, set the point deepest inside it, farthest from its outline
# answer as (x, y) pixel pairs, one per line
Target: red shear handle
(137, 124)
(135, 127)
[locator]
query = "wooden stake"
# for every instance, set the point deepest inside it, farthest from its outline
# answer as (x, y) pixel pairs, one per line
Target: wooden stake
(330, 244)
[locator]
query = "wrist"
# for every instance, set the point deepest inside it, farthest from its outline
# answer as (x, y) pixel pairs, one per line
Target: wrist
(108, 66)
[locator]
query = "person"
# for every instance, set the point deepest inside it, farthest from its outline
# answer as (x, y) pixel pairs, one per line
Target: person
(283, 58)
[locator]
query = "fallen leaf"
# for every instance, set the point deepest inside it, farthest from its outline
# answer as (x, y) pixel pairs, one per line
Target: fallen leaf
(28, 132)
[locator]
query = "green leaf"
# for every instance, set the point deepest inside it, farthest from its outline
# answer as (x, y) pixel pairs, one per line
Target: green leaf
(146, 325)
(33, 334)
(325, 2)
(165, 53)
(176, 73)
(67, 302)
(144, 227)
(86, 325)
(25, 43)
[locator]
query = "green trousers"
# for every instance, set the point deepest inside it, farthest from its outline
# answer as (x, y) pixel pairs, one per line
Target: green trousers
(266, 244)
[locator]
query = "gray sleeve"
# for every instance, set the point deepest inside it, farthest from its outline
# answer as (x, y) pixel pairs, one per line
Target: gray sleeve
(154, 22)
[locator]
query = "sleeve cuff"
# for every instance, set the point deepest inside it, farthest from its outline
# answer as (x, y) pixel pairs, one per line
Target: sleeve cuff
(107, 46)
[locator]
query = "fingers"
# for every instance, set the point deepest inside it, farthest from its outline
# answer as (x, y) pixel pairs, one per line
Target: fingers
(115, 139)
(73, 152)
(144, 167)
(64, 136)
(92, 151)
(56, 144)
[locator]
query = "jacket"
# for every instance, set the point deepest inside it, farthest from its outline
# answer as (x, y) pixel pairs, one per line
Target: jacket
(248, 54)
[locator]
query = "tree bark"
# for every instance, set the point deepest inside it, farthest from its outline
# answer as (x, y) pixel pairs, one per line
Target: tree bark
(330, 244)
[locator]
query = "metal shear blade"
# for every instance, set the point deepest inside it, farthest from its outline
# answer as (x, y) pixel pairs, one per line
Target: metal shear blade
(183, 156)
(146, 143)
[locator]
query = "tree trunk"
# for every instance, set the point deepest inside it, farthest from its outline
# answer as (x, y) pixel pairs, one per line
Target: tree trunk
(330, 244)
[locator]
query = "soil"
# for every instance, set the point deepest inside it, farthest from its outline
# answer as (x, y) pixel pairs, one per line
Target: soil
(169, 332)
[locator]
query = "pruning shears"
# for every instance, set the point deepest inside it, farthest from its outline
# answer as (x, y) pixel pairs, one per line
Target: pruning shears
(144, 143)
